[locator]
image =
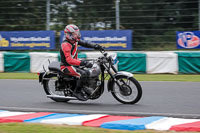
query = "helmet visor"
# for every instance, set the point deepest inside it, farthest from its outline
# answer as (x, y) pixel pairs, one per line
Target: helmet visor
(77, 34)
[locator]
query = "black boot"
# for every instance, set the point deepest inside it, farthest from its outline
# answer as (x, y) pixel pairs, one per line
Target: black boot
(87, 89)
(78, 92)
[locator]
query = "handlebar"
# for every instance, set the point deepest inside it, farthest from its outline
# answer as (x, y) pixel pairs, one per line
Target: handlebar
(103, 52)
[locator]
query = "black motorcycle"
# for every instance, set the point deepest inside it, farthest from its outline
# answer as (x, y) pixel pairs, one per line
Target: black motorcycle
(123, 86)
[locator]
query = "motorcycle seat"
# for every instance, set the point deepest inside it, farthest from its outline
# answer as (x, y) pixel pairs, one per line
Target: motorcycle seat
(55, 67)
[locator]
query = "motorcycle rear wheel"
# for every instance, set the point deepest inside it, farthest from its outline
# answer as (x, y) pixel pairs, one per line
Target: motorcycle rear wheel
(131, 91)
(50, 89)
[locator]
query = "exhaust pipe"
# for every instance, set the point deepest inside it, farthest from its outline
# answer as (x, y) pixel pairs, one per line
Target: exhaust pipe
(61, 97)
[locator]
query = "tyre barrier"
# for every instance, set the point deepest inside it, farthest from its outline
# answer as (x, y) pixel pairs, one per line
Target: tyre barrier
(131, 61)
(103, 121)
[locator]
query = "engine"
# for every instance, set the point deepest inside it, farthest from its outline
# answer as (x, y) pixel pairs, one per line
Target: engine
(94, 71)
(93, 80)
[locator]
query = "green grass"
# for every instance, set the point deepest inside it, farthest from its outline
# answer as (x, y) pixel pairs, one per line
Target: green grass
(18, 76)
(167, 77)
(139, 77)
(45, 128)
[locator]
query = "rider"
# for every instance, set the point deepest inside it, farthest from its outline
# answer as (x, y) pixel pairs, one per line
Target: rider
(69, 61)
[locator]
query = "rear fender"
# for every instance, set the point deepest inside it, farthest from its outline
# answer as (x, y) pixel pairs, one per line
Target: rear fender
(44, 75)
(120, 73)
(41, 74)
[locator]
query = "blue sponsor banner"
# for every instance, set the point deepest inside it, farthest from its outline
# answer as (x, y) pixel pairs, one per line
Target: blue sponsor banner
(20, 40)
(188, 39)
(110, 39)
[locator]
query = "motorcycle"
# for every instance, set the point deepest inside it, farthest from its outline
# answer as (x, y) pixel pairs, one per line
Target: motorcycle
(122, 85)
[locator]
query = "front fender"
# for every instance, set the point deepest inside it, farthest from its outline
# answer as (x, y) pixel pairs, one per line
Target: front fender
(120, 73)
(128, 74)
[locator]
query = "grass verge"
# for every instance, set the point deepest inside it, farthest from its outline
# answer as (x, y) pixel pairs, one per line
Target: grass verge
(139, 77)
(168, 77)
(45, 128)
(18, 76)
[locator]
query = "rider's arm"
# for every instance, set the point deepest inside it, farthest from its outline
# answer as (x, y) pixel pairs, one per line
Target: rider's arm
(66, 48)
(90, 45)
(86, 44)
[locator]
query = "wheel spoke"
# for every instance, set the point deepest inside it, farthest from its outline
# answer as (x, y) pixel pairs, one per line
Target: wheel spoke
(128, 82)
(52, 87)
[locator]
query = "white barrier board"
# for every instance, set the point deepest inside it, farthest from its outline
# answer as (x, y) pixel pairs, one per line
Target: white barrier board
(162, 62)
(40, 59)
(95, 55)
(1, 62)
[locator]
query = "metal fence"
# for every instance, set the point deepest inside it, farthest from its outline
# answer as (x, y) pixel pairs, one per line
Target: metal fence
(154, 23)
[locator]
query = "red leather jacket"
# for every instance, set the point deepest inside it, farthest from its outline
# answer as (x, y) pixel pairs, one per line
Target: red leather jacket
(69, 53)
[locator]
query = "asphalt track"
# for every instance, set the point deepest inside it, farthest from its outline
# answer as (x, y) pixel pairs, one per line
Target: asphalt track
(176, 99)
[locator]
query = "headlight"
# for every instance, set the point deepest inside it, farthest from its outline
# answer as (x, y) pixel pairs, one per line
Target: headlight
(114, 59)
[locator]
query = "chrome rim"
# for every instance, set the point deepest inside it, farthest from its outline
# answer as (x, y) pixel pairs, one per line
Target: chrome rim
(131, 93)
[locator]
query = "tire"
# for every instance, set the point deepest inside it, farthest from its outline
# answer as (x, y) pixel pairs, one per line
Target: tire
(48, 91)
(128, 90)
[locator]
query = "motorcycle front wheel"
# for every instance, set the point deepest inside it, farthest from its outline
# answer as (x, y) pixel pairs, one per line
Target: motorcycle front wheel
(49, 86)
(130, 91)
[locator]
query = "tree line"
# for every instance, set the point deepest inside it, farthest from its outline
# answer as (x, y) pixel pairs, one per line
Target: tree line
(154, 23)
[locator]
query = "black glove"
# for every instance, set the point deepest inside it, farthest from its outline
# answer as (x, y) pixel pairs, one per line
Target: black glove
(86, 64)
(98, 47)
